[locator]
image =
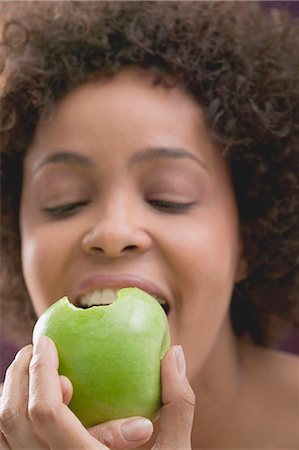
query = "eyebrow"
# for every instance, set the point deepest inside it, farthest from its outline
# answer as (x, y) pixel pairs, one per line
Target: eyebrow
(68, 157)
(151, 154)
(147, 155)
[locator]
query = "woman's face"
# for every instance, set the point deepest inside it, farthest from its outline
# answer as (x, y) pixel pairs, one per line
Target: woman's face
(123, 186)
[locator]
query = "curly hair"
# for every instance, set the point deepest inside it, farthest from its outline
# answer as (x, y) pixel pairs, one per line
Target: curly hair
(242, 67)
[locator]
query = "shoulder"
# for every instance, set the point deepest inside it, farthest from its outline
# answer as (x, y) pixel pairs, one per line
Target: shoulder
(274, 367)
(274, 372)
(273, 384)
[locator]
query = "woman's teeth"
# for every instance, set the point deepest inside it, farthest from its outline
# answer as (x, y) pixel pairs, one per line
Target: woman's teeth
(106, 297)
(102, 297)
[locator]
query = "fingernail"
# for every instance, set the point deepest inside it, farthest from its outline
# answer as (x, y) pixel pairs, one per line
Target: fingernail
(136, 429)
(180, 360)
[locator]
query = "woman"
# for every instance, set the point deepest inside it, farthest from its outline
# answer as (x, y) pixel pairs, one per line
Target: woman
(155, 145)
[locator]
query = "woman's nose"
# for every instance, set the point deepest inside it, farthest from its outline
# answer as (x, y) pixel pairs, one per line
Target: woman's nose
(115, 233)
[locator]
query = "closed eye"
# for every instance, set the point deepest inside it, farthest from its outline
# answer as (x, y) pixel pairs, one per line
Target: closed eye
(66, 210)
(171, 207)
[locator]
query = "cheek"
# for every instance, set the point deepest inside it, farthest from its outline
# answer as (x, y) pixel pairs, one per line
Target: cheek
(43, 263)
(205, 265)
(206, 252)
(206, 268)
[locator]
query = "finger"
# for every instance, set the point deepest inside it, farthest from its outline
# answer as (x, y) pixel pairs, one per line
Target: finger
(3, 443)
(124, 433)
(14, 421)
(66, 388)
(51, 418)
(176, 415)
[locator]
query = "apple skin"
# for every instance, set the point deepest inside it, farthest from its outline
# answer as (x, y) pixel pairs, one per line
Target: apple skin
(112, 354)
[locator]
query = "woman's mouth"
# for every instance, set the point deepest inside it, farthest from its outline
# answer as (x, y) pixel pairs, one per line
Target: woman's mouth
(103, 297)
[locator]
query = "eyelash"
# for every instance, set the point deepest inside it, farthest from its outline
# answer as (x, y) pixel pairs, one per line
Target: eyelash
(170, 207)
(164, 205)
(64, 210)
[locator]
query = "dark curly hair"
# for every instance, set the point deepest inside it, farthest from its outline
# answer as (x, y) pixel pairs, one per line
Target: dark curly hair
(242, 67)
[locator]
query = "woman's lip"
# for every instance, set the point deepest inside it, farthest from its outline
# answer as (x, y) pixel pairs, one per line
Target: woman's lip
(101, 281)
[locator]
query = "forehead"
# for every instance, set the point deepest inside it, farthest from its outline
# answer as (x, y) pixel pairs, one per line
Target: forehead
(131, 92)
(126, 110)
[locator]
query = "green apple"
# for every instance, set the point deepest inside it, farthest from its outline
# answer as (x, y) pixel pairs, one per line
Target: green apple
(112, 354)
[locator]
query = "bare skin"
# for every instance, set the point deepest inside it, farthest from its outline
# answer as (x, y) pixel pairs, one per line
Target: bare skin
(262, 415)
(35, 416)
(125, 178)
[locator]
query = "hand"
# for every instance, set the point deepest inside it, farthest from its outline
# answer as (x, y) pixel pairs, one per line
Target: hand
(34, 412)
(176, 414)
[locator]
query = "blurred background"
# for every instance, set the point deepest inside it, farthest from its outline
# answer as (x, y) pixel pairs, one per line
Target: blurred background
(289, 343)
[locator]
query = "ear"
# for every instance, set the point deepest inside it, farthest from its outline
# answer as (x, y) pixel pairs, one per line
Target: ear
(242, 270)
(242, 265)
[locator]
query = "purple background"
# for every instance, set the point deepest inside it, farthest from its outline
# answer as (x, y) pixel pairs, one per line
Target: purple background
(292, 6)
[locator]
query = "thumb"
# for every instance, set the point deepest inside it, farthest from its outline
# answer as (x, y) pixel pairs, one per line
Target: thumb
(123, 434)
(176, 414)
